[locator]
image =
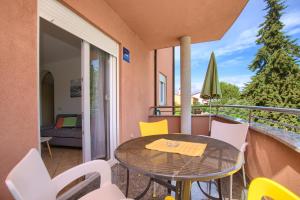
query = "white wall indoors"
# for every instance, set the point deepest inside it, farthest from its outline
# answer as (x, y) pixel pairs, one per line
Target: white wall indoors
(60, 54)
(63, 72)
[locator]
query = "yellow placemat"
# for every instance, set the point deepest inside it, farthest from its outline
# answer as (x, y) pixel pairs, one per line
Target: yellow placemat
(171, 146)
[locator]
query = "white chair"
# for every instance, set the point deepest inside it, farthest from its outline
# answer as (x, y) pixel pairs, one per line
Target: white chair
(30, 180)
(234, 134)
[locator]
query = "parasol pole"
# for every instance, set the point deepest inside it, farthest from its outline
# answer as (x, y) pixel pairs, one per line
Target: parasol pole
(209, 123)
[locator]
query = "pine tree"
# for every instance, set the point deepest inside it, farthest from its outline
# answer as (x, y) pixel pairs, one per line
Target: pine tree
(277, 79)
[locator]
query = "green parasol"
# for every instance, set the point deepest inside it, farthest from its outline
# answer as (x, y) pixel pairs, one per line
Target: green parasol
(211, 87)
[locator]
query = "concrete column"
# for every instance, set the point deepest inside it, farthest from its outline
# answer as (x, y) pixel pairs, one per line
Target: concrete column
(185, 84)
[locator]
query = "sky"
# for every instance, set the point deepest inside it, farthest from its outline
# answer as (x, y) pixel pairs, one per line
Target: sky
(235, 51)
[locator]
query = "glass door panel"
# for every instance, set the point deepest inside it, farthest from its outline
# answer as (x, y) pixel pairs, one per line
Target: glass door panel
(100, 63)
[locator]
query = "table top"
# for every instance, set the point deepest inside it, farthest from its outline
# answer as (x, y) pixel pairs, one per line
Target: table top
(45, 139)
(219, 159)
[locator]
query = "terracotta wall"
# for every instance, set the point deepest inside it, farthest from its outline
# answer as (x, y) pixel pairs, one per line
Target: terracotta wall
(164, 65)
(136, 77)
(265, 156)
(270, 158)
(173, 122)
(199, 123)
(18, 84)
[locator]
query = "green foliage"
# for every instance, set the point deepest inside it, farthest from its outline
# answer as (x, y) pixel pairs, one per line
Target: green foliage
(229, 91)
(236, 112)
(277, 79)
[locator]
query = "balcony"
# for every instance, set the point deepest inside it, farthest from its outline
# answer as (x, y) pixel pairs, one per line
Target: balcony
(273, 147)
(267, 145)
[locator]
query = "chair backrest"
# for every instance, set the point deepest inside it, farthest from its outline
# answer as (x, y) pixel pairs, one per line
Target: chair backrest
(154, 128)
(30, 180)
(263, 187)
(234, 134)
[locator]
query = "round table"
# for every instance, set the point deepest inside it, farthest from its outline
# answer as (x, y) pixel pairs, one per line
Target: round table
(219, 160)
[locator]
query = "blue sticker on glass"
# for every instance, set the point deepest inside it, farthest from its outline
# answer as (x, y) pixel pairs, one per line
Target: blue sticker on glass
(126, 55)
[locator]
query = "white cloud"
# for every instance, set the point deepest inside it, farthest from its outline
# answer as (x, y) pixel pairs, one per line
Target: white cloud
(243, 41)
(196, 86)
(293, 31)
(238, 80)
(232, 62)
(291, 21)
(225, 47)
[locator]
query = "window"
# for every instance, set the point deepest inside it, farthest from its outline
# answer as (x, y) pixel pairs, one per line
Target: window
(162, 90)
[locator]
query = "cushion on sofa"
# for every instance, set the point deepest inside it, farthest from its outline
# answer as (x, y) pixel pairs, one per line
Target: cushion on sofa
(59, 123)
(69, 122)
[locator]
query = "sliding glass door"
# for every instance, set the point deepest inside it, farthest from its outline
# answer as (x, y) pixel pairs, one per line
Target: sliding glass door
(100, 119)
(100, 64)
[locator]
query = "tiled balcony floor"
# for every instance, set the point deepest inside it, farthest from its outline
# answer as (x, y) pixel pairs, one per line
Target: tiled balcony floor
(67, 158)
(138, 182)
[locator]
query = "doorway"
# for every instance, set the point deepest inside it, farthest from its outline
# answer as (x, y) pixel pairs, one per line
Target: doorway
(60, 98)
(99, 80)
(47, 99)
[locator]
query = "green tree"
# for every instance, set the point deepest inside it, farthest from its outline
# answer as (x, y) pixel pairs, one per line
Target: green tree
(277, 79)
(229, 91)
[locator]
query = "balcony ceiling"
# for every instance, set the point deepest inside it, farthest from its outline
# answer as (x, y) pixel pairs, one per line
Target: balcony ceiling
(159, 23)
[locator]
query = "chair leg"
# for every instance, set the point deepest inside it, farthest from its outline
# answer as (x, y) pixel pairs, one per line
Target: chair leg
(209, 188)
(230, 186)
(154, 190)
(169, 190)
(49, 149)
(127, 182)
(219, 189)
(244, 176)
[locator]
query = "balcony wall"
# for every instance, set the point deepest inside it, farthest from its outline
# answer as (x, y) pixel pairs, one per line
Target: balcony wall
(265, 156)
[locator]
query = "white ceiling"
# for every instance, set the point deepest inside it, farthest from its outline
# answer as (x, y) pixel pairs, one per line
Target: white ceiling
(57, 44)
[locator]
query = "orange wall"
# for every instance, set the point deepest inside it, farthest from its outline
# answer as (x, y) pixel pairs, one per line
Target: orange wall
(268, 157)
(165, 66)
(18, 84)
(136, 77)
(199, 123)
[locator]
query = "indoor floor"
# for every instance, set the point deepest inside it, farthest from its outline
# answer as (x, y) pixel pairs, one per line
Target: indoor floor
(62, 159)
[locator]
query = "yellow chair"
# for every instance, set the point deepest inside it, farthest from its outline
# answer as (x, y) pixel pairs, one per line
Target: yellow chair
(263, 187)
(154, 128)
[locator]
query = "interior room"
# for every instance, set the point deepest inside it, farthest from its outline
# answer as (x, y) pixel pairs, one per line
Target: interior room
(60, 98)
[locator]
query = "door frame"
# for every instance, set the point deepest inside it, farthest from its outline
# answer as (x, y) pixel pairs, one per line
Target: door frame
(56, 13)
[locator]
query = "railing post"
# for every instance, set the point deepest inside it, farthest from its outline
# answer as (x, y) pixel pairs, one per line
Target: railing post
(156, 111)
(250, 116)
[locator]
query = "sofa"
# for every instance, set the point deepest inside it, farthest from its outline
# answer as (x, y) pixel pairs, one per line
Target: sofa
(64, 136)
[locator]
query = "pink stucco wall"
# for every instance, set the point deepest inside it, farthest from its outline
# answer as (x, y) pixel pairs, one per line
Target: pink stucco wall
(270, 158)
(199, 123)
(18, 84)
(18, 76)
(165, 66)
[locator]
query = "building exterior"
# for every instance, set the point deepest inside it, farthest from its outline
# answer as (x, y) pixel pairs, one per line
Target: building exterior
(195, 99)
(146, 80)
(164, 67)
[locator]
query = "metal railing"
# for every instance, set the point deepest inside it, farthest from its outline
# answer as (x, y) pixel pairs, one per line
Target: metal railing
(249, 114)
